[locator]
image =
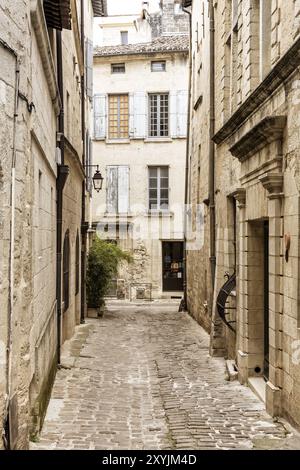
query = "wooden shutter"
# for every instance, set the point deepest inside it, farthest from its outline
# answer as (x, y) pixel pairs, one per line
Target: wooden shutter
(100, 116)
(182, 106)
(140, 115)
(173, 114)
(123, 189)
(112, 189)
(89, 68)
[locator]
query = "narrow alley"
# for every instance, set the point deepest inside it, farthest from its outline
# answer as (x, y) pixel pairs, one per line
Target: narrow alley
(141, 377)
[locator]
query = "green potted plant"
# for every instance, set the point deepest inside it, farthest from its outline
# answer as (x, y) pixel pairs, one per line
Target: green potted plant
(103, 261)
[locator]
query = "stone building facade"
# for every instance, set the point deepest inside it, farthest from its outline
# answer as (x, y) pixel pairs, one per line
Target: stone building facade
(41, 146)
(140, 110)
(245, 88)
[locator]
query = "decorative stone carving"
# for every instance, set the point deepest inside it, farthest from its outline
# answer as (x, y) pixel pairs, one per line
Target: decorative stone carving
(240, 196)
(273, 183)
(265, 132)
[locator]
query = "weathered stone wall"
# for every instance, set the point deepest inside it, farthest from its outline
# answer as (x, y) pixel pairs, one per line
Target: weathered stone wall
(198, 266)
(29, 327)
(168, 20)
(252, 182)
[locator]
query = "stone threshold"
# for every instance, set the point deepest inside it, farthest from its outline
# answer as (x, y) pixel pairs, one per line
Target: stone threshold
(258, 386)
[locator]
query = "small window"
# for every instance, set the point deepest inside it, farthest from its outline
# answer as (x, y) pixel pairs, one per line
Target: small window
(124, 37)
(158, 66)
(117, 68)
(178, 9)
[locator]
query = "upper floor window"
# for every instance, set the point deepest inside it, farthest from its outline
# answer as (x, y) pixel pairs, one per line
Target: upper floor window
(117, 68)
(117, 189)
(178, 9)
(159, 115)
(124, 37)
(158, 66)
(118, 117)
(158, 188)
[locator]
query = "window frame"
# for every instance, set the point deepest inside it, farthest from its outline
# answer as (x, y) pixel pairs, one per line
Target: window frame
(164, 62)
(157, 135)
(127, 38)
(158, 188)
(121, 64)
(118, 126)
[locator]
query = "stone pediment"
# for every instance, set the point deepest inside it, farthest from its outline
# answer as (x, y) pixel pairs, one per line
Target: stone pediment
(265, 132)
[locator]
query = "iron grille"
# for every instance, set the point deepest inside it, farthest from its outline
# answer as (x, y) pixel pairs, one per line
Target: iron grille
(222, 308)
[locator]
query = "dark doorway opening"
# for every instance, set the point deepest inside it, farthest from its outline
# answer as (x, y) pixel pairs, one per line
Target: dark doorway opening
(172, 266)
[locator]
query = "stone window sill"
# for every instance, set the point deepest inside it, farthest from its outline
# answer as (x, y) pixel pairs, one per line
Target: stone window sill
(117, 141)
(158, 140)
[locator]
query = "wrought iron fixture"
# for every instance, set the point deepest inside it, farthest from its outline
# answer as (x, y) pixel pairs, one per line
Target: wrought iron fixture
(222, 308)
(97, 178)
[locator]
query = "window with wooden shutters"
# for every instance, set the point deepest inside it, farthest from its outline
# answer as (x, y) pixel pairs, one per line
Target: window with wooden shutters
(77, 265)
(118, 117)
(158, 188)
(117, 189)
(159, 115)
(66, 271)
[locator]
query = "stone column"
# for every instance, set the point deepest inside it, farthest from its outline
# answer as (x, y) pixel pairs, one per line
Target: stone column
(242, 357)
(273, 183)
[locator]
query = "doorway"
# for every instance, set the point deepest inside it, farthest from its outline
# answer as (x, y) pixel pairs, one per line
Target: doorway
(257, 297)
(172, 266)
(266, 300)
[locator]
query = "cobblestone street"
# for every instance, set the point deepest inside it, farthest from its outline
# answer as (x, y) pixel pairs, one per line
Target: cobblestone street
(141, 378)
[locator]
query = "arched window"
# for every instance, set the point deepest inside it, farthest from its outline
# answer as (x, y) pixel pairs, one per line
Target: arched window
(66, 271)
(77, 265)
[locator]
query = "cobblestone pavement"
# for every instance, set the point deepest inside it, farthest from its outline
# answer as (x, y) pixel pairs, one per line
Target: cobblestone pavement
(141, 378)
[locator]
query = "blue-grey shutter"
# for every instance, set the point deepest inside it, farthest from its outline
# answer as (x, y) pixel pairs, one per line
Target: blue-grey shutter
(89, 68)
(100, 116)
(173, 113)
(123, 189)
(138, 115)
(182, 109)
(112, 189)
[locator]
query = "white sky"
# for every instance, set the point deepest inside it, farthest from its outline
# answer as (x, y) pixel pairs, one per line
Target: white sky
(129, 7)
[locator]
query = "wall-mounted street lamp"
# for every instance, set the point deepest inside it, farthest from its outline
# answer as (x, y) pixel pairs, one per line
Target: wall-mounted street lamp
(97, 178)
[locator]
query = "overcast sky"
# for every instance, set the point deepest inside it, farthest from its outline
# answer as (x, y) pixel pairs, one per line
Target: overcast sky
(129, 7)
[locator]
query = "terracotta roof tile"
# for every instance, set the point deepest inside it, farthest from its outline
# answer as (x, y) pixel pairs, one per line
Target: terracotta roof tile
(174, 43)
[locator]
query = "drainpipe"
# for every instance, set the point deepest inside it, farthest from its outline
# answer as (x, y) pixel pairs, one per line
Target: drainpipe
(62, 175)
(212, 208)
(186, 189)
(10, 318)
(83, 133)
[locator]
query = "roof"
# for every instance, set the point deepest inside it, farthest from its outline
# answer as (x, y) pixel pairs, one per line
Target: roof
(175, 43)
(100, 7)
